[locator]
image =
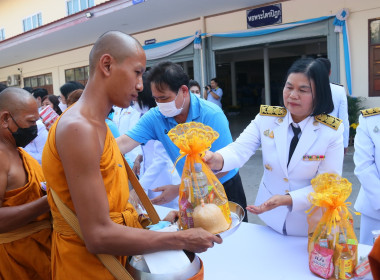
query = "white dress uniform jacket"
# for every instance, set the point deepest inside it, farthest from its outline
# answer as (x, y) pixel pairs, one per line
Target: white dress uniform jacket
(125, 119)
(367, 163)
(341, 109)
(270, 130)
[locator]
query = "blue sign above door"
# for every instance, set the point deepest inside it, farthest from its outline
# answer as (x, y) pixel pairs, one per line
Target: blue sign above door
(263, 16)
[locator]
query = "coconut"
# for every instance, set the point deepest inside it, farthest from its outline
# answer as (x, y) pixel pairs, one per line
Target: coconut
(210, 217)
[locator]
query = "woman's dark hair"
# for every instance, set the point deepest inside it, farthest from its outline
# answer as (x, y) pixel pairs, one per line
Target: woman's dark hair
(315, 70)
(194, 83)
(166, 75)
(69, 87)
(55, 101)
(145, 98)
(73, 97)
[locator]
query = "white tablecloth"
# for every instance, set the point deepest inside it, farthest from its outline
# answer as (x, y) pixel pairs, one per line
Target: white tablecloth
(258, 252)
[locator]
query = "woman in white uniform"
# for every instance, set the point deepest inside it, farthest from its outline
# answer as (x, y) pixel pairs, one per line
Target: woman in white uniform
(299, 141)
(367, 169)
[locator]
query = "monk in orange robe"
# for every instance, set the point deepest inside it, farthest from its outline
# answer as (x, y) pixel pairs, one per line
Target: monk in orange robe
(83, 166)
(25, 227)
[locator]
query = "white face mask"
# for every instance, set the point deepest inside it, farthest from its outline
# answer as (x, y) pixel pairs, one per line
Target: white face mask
(196, 94)
(62, 106)
(169, 109)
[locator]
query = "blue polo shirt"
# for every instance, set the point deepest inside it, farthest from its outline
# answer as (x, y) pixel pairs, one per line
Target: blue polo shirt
(154, 126)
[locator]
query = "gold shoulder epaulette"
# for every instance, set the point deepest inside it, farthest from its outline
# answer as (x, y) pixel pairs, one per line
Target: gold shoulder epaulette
(370, 112)
(328, 120)
(276, 111)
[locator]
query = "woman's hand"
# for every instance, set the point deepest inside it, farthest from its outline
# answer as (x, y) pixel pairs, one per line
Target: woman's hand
(169, 192)
(214, 160)
(271, 203)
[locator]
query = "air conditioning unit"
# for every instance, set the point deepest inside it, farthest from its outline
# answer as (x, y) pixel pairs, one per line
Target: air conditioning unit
(13, 80)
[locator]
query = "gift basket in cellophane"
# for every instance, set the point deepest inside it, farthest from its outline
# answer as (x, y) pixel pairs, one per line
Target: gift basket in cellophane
(332, 242)
(202, 199)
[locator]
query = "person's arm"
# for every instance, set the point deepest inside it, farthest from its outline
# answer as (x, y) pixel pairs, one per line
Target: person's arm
(205, 94)
(137, 165)
(214, 94)
(217, 94)
(366, 168)
(126, 143)
(236, 154)
(101, 235)
(13, 217)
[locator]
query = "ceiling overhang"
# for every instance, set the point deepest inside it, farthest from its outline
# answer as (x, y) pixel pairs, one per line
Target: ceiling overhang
(78, 30)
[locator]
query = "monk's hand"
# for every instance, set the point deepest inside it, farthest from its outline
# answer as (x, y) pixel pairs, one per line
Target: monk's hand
(271, 203)
(198, 240)
(169, 192)
(172, 216)
(214, 160)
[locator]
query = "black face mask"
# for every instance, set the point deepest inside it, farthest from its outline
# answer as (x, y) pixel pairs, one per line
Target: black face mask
(23, 136)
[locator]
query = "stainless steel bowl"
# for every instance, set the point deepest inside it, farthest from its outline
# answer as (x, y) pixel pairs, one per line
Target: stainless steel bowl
(237, 216)
(188, 272)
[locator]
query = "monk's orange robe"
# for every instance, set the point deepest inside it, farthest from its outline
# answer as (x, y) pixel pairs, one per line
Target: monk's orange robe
(70, 258)
(27, 257)
(374, 259)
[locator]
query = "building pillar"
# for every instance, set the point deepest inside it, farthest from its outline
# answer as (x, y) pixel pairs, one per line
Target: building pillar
(266, 77)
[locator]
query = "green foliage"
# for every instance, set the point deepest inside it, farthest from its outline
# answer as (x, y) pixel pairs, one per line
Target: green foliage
(355, 104)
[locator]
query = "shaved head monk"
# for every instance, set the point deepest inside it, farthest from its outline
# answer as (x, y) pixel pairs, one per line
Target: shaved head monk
(84, 167)
(25, 226)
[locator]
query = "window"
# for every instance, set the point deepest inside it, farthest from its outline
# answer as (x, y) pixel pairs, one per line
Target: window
(74, 6)
(40, 81)
(2, 34)
(32, 22)
(79, 74)
(374, 57)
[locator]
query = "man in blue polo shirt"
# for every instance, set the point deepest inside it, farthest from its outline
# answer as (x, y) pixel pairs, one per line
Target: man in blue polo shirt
(175, 105)
(214, 93)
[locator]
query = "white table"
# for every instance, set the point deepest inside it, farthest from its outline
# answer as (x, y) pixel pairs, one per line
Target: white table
(258, 252)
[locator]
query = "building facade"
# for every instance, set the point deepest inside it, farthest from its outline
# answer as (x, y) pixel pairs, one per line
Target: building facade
(248, 45)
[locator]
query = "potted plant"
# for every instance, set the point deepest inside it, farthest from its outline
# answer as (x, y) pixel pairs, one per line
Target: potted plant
(354, 107)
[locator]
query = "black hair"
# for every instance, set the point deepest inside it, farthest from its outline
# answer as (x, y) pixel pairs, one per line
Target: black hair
(193, 83)
(215, 80)
(2, 87)
(326, 62)
(30, 89)
(316, 71)
(166, 75)
(69, 87)
(145, 97)
(39, 92)
(55, 101)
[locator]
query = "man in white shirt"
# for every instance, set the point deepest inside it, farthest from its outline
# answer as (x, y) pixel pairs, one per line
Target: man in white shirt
(36, 147)
(340, 111)
(125, 119)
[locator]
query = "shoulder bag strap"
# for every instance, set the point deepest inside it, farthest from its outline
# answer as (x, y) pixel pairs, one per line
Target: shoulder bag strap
(141, 194)
(109, 261)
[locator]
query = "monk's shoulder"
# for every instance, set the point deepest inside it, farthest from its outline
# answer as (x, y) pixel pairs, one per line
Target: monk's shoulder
(5, 159)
